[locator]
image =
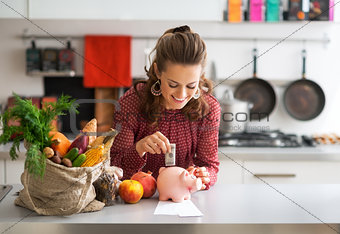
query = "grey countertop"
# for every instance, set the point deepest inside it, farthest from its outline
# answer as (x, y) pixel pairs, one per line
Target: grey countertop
(255, 204)
(239, 203)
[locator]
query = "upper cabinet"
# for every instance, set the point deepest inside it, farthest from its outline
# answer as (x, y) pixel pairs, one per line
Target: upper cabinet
(13, 9)
(203, 10)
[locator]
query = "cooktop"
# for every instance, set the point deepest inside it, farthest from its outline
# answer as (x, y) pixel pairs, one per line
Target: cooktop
(275, 138)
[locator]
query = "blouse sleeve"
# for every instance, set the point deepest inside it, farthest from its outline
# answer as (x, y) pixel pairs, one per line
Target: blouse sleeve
(123, 151)
(207, 142)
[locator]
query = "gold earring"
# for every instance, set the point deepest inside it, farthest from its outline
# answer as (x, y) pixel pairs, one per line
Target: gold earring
(197, 94)
(154, 91)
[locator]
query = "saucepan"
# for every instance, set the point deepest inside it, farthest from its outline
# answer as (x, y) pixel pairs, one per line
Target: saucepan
(235, 113)
(259, 92)
(304, 99)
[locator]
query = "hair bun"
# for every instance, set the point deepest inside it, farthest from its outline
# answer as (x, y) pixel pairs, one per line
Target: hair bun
(182, 29)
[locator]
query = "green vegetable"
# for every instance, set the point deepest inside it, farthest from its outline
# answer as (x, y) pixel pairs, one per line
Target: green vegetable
(72, 154)
(35, 125)
(79, 160)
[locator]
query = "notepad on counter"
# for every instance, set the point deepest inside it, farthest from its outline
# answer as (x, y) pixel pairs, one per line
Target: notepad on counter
(183, 209)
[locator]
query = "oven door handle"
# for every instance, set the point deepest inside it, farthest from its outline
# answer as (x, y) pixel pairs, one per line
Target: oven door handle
(286, 175)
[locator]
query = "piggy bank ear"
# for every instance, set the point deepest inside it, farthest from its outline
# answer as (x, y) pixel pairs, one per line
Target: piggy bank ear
(184, 174)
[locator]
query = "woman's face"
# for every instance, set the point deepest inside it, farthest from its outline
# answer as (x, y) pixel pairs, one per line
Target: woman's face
(179, 83)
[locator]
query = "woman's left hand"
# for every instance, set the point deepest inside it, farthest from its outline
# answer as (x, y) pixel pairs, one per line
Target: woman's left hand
(200, 172)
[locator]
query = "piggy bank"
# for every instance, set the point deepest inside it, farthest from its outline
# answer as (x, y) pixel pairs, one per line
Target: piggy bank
(177, 184)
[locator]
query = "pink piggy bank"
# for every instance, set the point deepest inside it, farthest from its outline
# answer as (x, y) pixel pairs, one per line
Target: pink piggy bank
(177, 184)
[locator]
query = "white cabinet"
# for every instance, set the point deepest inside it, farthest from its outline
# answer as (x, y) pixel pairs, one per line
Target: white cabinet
(14, 169)
(127, 9)
(253, 170)
(13, 9)
(229, 172)
(294, 172)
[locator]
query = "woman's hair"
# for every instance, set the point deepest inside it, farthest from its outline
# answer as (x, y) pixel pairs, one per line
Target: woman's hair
(178, 46)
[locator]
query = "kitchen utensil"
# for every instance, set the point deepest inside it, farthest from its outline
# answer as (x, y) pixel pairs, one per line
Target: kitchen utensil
(50, 60)
(33, 58)
(66, 59)
(235, 113)
(304, 99)
(258, 92)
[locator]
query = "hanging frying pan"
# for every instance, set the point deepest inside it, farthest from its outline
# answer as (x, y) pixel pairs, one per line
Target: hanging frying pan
(304, 99)
(258, 92)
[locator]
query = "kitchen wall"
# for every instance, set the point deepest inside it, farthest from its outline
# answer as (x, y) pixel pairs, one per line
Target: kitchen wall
(282, 62)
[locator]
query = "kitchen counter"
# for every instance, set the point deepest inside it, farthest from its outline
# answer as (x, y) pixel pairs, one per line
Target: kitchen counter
(257, 208)
(318, 153)
(323, 153)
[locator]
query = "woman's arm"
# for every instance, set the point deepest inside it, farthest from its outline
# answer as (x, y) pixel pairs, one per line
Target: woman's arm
(123, 151)
(207, 141)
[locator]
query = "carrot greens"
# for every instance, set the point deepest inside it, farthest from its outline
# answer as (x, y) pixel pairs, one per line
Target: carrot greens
(35, 126)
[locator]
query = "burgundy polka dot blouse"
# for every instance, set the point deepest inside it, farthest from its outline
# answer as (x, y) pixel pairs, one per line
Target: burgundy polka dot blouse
(196, 141)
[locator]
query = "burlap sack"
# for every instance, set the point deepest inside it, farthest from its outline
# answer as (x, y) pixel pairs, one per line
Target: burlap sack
(62, 191)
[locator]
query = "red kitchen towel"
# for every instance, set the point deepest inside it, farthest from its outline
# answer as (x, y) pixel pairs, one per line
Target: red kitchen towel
(107, 61)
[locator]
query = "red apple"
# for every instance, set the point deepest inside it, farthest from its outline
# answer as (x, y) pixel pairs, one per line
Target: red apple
(148, 182)
(131, 191)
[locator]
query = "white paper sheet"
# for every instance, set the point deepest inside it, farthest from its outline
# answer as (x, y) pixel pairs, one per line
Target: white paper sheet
(183, 209)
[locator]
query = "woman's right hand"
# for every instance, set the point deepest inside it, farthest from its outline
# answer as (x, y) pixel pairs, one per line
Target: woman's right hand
(154, 144)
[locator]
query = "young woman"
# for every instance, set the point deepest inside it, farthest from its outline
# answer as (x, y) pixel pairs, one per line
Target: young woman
(173, 106)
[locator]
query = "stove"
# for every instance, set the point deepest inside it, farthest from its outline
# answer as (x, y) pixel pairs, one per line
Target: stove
(274, 138)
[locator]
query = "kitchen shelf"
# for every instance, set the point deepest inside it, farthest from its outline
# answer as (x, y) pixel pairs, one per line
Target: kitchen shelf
(324, 40)
(47, 74)
(210, 30)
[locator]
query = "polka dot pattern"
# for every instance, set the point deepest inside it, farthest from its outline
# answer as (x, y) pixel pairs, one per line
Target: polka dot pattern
(196, 141)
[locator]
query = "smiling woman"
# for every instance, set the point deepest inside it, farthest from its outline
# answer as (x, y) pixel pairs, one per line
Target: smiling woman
(178, 65)
(178, 91)
(174, 105)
